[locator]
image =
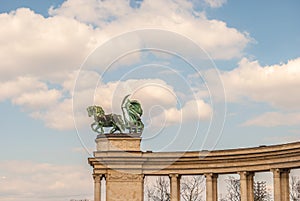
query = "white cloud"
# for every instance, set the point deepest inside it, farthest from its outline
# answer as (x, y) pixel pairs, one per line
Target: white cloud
(62, 114)
(295, 131)
(190, 111)
(150, 92)
(59, 116)
(215, 3)
(33, 45)
(18, 85)
(38, 99)
(44, 181)
(281, 139)
(272, 119)
(40, 55)
(213, 36)
(277, 85)
(92, 11)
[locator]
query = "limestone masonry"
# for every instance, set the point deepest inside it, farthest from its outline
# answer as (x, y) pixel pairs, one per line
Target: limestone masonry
(120, 161)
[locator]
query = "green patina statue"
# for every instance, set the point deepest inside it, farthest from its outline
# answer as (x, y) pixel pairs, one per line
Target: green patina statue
(105, 120)
(132, 112)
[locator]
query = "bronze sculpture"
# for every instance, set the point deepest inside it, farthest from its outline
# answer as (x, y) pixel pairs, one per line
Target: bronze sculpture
(132, 112)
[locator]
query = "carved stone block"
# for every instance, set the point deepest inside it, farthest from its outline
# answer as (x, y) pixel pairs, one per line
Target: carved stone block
(119, 142)
(122, 186)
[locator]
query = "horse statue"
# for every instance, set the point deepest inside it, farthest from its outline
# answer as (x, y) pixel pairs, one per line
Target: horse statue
(105, 120)
(134, 111)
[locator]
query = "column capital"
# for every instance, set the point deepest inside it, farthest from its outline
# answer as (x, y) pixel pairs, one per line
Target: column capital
(97, 177)
(211, 175)
(276, 172)
(174, 175)
(245, 174)
(280, 170)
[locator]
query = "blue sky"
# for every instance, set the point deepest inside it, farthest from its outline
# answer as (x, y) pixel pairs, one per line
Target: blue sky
(270, 24)
(253, 45)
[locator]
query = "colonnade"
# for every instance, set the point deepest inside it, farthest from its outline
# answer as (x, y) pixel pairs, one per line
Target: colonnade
(120, 161)
(280, 185)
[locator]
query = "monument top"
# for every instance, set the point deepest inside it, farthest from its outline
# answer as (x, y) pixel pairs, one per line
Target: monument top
(119, 142)
(119, 135)
(131, 120)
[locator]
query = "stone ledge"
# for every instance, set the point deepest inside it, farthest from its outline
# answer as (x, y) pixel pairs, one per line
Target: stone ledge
(260, 159)
(119, 142)
(119, 135)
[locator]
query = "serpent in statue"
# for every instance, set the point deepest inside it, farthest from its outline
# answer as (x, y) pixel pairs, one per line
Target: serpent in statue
(132, 112)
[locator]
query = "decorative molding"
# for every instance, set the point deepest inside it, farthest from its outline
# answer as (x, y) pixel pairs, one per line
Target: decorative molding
(211, 176)
(278, 158)
(119, 135)
(120, 176)
(97, 178)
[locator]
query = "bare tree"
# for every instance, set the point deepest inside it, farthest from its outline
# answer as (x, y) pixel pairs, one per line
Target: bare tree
(233, 189)
(160, 191)
(261, 193)
(192, 188)
(295, 188)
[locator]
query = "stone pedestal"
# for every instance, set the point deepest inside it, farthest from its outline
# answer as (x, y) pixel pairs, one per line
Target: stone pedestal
(124, 180)
(122, 186)
(119, 142)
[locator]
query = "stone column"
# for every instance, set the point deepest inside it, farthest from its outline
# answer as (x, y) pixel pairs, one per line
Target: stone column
(246, 182)
(281, 184)
(175, 187)
(250, 186)
(211, 187)
(97, 187)
(285, 186)
(276, 184)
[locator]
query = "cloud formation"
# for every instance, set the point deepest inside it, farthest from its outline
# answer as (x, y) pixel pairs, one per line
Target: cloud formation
(273, 119)
(40, 55)
(190, 111)
(152, 93)
(32, 45)
(43, 181)
(215, 37)
(215, 3)
(277, 85)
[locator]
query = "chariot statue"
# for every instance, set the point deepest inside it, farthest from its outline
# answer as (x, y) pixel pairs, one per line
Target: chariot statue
(132, 112)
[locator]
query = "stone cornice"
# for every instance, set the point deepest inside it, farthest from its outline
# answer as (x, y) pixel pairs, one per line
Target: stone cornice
(256, 159)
